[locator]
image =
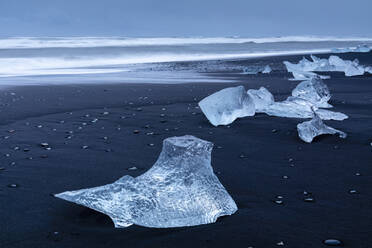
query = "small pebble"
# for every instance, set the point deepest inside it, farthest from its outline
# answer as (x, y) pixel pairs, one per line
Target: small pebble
(44, 144)
(132, 168)
(281, 243)
(151, 144)
(353, 191)
(332, 242)
(84, 147)
(309, 199)
(13, 185)
(136, 131)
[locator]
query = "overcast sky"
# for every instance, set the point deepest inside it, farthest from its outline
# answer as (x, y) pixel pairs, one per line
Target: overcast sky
(248, 18)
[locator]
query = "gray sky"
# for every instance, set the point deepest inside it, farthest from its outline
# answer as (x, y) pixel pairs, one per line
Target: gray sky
(248, 18)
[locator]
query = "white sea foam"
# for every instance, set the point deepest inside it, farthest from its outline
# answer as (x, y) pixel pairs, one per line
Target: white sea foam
(80, 42)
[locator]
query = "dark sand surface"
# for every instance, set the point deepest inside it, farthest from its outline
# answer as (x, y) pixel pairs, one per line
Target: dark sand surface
(250, 157)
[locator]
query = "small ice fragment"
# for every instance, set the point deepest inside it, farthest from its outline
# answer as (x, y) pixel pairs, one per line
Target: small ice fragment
(262, 98)
(308, 130)
(314, 91)
(226, 105)
(358, 49)
(303, 75)
(179, 190)
(267, 69)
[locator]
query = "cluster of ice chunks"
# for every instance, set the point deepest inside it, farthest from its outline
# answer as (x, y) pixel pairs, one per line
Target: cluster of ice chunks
(309, 95)
(333, 63)
(256, 69)
(308, 130)
(179, 190)
(308, 98)
(358, 49)
(226, 105)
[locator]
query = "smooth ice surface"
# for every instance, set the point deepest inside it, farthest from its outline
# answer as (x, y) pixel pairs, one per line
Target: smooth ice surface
(333, 63)
(226, 105)
(357, 49)
(314, 91)
(179, 190)
(262, 98)
(308, 130)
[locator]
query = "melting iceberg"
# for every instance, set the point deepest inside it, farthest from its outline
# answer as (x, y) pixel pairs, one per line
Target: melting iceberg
(308, 130)
(333, 63)
(358, 49)
(179, 190)
(226, 105)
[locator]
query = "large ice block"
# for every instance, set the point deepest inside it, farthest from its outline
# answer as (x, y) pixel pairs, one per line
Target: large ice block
(226, 105)
(308, 130)
(314, 91)
(179, 190)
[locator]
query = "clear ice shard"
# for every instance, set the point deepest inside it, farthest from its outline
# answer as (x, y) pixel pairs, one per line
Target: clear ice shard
(262, 98)
(179, 190)
(314, 91)
(333, 63)
(308, 130)
(226, 105)
(267, 69)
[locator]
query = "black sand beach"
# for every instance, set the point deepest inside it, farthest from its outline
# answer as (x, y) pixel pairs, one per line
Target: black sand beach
(257, 159)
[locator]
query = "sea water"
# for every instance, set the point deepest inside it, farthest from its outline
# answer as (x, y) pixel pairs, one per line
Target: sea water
(71, 60)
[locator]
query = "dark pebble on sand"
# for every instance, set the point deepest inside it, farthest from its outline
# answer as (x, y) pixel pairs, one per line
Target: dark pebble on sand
(2, 168)
(136, 131)
(163, 121)
(332, 242)
(26, 150)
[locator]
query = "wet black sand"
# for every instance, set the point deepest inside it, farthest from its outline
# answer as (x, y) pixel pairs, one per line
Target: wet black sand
(256, 159)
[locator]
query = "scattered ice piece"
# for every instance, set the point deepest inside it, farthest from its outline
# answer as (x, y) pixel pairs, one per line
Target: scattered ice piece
(358, 49)
(314, 91)
(308, 130)
(226, 105)
(256, 69)
(333, 63)
(267, 69)
(303, 75)
(179, 190)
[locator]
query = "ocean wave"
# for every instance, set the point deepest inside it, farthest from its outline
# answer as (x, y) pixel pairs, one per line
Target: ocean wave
(90, 42)
(13, 67)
